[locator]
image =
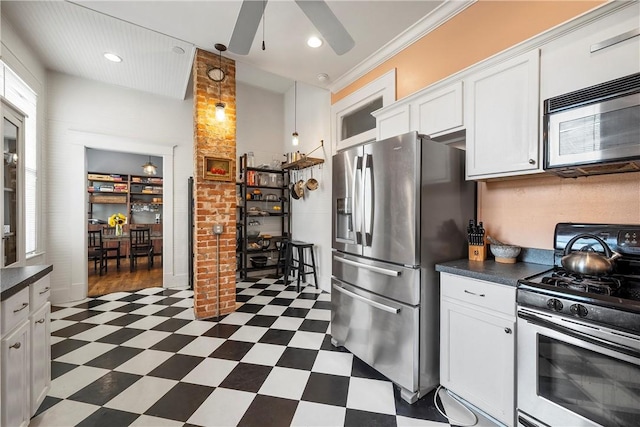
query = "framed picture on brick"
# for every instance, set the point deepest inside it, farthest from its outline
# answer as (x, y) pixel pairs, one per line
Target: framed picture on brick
(217, 169)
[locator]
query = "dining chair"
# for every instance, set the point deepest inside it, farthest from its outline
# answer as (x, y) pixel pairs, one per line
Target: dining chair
(140, 245)
(96, 252)
(111, 244)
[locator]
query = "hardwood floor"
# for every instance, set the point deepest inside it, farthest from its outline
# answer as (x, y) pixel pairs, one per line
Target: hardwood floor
(124, 280)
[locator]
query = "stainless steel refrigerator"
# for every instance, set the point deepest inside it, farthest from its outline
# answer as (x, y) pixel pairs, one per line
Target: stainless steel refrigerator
(400, 206)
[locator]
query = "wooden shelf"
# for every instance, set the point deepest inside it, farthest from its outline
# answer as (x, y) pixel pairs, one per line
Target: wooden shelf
(303, 163)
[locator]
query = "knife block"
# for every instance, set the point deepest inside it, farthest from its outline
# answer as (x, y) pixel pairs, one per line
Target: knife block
(478, 252)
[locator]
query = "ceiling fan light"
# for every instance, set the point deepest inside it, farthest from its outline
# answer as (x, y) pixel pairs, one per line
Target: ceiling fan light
(314, 42)
(220, 114)
(112, 57)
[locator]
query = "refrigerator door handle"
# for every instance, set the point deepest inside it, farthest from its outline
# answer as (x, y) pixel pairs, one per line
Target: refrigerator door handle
(375, 304)
(369, 202)
(385, 271)
(356, 200)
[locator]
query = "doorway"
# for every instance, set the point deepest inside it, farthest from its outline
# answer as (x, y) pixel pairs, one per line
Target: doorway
(125, 201)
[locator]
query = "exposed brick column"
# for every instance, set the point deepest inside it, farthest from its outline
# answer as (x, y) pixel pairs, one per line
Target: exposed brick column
(215, 201)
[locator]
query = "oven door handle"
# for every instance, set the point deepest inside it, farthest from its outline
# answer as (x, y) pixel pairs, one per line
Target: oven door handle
(579, 335)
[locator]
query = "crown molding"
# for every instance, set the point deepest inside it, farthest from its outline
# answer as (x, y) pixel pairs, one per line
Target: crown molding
(447, 10)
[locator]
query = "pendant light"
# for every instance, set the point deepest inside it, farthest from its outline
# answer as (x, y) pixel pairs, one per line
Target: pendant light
(220, 75)
(149, 168)
(294, 135)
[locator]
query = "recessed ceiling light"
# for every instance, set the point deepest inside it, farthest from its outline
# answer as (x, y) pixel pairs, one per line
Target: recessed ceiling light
(323, 77)
(314, 42)
(112, 57)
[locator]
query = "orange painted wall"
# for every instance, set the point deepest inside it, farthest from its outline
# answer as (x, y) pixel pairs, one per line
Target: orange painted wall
(480, 31)
(525, 211)
(521, 211)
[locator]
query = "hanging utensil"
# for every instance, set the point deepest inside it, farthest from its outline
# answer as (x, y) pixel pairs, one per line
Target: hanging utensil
(312, 183)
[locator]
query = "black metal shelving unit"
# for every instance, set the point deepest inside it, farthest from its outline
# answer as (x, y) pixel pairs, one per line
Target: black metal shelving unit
(250, 180)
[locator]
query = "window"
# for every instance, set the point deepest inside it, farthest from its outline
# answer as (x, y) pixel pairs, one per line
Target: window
(20, 94)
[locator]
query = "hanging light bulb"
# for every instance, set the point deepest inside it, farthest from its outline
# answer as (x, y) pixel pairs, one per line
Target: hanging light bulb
(294, 135)
(149, 168)
(220, 113)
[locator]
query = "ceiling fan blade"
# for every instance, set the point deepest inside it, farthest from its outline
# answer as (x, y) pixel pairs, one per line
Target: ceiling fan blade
(328, 24)
(246, 26)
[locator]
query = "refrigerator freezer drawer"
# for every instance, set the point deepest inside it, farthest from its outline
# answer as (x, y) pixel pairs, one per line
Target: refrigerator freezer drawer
(381, 332)
(393, 281)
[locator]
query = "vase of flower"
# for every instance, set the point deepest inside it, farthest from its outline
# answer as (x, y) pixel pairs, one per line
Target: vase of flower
(117, 220)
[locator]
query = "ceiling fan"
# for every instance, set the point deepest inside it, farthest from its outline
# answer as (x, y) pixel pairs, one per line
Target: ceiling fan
(317, 11)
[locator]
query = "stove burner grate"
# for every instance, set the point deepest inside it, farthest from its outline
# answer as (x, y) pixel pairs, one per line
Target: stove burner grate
(602, 285)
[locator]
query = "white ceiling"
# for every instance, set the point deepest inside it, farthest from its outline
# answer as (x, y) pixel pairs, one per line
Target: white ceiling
(70, 37)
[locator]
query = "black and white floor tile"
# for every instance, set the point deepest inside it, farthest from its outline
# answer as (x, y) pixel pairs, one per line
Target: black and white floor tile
(141, 359)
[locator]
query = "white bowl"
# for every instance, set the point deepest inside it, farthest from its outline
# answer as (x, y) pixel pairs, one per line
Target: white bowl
(505, 253)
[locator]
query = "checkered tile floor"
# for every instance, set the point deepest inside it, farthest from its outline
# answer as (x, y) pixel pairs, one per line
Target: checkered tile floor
(141, 359)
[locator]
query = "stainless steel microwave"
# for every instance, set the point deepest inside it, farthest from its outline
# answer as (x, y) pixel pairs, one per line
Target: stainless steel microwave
(595, 130)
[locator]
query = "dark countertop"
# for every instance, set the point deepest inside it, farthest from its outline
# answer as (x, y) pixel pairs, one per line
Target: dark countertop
(506, 274)
(15, 279)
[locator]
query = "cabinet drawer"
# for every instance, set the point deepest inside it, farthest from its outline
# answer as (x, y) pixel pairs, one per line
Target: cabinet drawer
(40, 292)
(15, 309)
(487, 295)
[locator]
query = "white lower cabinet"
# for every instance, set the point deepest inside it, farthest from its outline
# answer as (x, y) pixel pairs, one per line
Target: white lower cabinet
(40, 324)
(477, 344)
(15, 377)
(25, 376)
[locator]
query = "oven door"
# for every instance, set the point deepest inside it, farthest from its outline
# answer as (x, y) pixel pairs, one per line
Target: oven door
(571, 373)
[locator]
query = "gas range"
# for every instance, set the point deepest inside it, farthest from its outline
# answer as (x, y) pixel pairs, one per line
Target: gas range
(611, 299)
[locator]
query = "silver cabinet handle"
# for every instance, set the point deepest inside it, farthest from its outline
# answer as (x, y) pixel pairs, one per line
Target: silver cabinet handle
(532, 162)
(615, 40)
(40, 321)
(16, 345)
(367, 301)
(24, 305)
(385, 271)
(473, 293)
(44, 291)
(507, 330)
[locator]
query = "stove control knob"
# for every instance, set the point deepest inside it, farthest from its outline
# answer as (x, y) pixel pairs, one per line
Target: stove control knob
(578, 310)
(555, 304)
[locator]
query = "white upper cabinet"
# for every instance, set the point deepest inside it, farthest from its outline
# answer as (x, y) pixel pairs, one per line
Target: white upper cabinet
(438, 111)
(393, 121)
(434, 111)
(501, 118)
(604, 49)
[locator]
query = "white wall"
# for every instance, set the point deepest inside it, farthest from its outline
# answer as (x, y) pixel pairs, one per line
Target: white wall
(259, 126)
(85, 113)
(311, 216)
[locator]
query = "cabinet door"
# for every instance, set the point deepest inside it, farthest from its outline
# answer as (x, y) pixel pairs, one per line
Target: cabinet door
(501, 116)
(438, 112)
(40, 355)
(393, 122)
(477, 358)
(15, 377)
(603, 50)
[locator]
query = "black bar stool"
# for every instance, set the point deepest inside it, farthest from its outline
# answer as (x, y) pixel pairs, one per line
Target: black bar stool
(299, 264)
